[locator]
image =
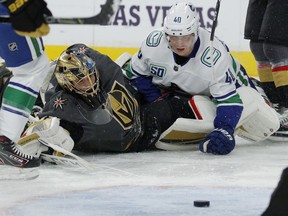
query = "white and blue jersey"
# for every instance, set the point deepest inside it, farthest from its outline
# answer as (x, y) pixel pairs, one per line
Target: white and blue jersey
(17, 50)
(155, 67)
(26, 58)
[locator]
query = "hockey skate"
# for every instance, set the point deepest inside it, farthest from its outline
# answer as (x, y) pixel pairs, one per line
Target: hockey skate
(20, 165)
(282, 133)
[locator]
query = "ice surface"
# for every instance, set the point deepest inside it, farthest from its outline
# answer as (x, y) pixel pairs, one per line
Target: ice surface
(153, 183)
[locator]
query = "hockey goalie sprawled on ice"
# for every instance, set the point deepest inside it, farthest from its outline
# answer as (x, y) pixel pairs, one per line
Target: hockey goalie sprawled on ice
(203, 103)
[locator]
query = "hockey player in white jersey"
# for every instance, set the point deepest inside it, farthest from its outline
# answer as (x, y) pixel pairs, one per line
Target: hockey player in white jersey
(178, 57)
(26, 57)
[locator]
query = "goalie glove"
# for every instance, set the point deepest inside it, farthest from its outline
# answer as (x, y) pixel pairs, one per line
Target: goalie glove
(49, 130)
(219, 142)
(28, 17)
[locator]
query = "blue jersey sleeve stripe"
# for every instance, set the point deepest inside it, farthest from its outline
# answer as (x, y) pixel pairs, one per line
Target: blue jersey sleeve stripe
(24, 87)
(224, 97)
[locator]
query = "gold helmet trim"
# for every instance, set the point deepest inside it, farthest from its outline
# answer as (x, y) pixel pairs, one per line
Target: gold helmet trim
(72, 68)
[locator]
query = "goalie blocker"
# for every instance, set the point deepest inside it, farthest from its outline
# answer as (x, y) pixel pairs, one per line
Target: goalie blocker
(258, 122)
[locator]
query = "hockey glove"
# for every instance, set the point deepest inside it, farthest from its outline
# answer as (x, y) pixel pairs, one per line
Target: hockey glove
(49, 130)
(219, 142)
(27, 17)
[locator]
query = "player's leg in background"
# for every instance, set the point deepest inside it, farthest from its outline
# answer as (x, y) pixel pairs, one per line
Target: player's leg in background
(26, 58)
(278, 56)
(264, 69)
(272, 66)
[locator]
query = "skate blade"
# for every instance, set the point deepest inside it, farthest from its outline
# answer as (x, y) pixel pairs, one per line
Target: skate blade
(278, 137)
(15, 173)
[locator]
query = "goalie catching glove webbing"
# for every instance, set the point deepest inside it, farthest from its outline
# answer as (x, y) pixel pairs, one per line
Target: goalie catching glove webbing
(49, 130)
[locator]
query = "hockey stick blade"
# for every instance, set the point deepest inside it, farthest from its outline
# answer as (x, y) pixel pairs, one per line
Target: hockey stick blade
(80, 162)
(95, 20)
(105, 17)
(62, 160)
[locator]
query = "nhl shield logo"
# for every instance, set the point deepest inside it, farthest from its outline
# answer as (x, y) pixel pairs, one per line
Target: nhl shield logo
(13, 46)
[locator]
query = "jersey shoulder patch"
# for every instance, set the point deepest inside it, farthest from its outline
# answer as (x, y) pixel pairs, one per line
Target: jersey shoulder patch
(59, 100)
(206, 56)
(154, 38)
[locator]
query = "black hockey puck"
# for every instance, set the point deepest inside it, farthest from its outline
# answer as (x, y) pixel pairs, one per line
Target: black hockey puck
(201, 203)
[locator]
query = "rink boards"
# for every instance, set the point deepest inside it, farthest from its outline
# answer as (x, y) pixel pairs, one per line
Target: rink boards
(134, 20)
(245, 57)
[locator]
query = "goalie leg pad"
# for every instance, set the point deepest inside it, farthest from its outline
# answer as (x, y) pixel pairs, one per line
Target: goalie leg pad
(194, 129)
(258, 120)
(203, 108)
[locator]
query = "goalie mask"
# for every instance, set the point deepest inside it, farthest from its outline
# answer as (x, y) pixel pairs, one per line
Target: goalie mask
(76, 72)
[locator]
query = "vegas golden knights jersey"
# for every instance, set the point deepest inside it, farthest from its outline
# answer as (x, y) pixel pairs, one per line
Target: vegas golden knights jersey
(78, 114)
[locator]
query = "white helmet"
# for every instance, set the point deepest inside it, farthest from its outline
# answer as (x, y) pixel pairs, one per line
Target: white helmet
(182, 19)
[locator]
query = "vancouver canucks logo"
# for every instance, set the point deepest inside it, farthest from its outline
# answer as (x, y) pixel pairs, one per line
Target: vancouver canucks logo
(154, 38)
(206, 56)
(123, 105)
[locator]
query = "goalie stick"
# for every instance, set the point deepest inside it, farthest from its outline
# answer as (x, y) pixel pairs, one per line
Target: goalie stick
(59, 160)
(74, 160)
(105, 17)
(69, 159)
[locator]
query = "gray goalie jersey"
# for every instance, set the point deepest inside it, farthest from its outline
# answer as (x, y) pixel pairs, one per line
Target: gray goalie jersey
(93, 127)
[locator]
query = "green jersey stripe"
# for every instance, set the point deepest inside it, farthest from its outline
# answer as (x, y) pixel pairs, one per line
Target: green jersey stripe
(234, 99)
(18, 99)
(36, 46)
